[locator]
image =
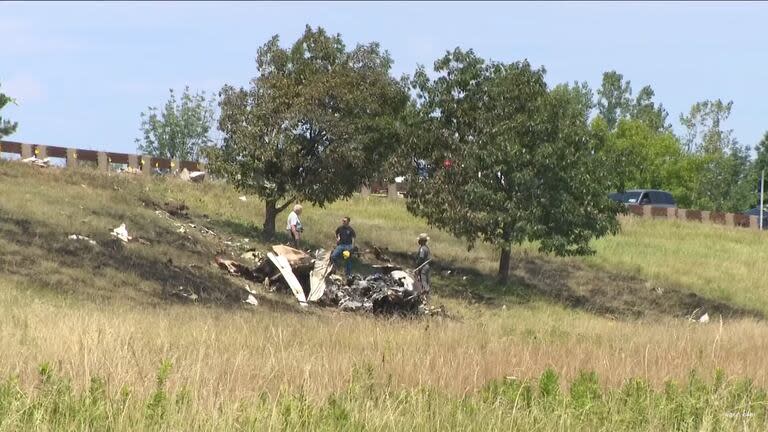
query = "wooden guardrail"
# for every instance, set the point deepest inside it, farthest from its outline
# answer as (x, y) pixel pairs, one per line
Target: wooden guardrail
(701, 216)
(104, 159)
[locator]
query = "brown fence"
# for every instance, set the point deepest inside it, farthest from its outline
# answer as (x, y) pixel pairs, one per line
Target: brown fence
(392, 190)
(701, 216)
(73, 156)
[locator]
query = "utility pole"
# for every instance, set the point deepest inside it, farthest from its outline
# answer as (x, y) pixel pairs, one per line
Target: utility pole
(762, 192)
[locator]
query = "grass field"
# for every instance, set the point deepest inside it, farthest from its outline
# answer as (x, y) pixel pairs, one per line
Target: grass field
(91, 341)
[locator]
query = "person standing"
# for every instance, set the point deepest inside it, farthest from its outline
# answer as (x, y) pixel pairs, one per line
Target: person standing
(423, 257)
(345, 243)
(294, 227)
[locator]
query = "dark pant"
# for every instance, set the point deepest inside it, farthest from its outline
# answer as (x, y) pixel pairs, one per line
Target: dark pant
(292, 240)
(424, 277)
(336, 254)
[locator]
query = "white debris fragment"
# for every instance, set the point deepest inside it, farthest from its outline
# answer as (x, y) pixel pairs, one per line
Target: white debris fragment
(197, 176)
(243, 198)
(38, 162)
(80, 237)
(251, 300)
(404, 279)
(121, 233)
(704, 318)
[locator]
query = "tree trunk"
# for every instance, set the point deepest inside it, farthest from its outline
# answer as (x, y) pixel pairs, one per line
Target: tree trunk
(270, 215)
(506, 254)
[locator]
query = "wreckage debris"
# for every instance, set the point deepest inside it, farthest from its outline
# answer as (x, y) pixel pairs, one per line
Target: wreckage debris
(193, 176)
(379, 255)
(283, 265)
(253, 255)
(389, 291)
(121, 232)
(80, 237)
(42, 163)
(184, 294)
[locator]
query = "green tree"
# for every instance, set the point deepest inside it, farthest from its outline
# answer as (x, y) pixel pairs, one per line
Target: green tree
(523, 164)
(642, 157)
(645, 110)
(7, 127)
(180, 130)
(761, 162)
(726, 181)
(614, 98)
(704, 127)
(317, 122)
(725, 176)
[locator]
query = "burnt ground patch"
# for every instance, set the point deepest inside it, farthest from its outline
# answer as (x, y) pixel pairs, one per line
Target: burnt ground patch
(575, 285)
(43, 255)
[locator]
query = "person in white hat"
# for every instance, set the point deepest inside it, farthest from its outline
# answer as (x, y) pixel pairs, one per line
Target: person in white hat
(294, 227)
(423, 257)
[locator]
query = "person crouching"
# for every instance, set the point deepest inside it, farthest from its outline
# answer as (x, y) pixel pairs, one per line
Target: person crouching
(345, 243)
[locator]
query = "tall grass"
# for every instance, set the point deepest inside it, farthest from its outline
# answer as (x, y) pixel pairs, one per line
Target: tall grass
(105, 330)
(368, 404)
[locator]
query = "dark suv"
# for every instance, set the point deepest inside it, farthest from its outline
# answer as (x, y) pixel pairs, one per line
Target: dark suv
(652, 197)
(756, 212)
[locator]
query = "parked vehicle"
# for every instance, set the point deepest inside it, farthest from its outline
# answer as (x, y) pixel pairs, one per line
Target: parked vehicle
(651, 197)
(756, 212)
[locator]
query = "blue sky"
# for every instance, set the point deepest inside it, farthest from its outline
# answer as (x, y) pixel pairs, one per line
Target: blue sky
(83, 72)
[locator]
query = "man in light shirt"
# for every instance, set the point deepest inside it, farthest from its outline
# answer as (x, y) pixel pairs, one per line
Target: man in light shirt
(294, 227)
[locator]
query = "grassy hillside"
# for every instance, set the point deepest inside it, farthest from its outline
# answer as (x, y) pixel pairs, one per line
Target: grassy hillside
(101, 319)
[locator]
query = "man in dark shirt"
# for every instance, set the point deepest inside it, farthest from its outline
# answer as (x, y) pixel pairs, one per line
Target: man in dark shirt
(345, 242)
(423, 257)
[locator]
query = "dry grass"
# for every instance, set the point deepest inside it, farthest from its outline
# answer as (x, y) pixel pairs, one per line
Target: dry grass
(111, 321)
(234, 354)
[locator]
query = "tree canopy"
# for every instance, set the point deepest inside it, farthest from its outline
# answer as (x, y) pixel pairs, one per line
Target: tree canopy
(508, 159)
(317, 121)
(7, 127)
(180, 130)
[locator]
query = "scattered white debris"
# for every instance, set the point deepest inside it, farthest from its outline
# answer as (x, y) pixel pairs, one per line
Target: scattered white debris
(121, 233)
(37, 162)
(253, 255)
(80, 237)
(185, 293)
(251, 300)
(130, 170)
(243, 198)
(704, 318)
(404, 279)
(197, 176)
(181, 230)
